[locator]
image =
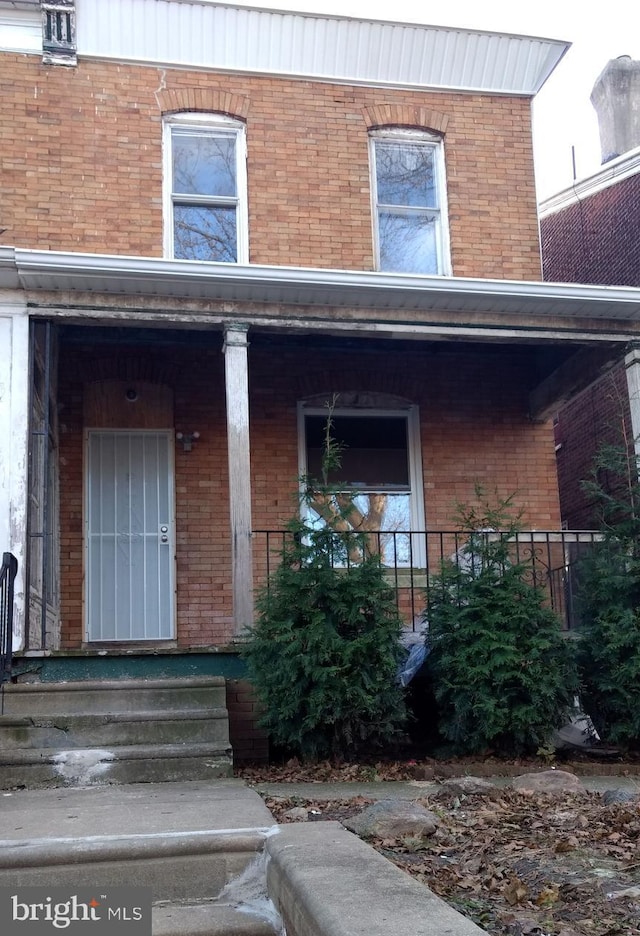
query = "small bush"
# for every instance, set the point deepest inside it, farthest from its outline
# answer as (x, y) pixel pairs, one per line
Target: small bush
(503, 675)
(324, 653)
(609, 600)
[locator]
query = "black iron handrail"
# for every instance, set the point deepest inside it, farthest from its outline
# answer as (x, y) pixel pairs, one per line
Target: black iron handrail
(7, 578)
(550, 559)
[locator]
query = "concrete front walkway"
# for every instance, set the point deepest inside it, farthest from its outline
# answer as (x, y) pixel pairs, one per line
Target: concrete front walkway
(133, 809)
(192, 806)
(187, 841)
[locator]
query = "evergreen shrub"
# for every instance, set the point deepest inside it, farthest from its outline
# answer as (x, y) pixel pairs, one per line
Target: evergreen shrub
(609, 600)
(503, 674)
(323, 655)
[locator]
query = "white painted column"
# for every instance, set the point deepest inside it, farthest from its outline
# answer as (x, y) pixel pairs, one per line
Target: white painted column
(14, 432)
(239, 453)
(632, 365)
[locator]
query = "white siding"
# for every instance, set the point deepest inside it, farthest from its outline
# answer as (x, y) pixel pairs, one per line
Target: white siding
(205, 35)
(20, 31)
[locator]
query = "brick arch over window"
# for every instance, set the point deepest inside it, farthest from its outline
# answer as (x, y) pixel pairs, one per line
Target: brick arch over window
(358, 399)
(399, 389)
(202, 100)
(404, 115)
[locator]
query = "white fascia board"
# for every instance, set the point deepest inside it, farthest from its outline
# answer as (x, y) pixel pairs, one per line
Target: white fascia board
(74, 272)
(9, 278)
(20, 28)
(612, 172)
(316, 46)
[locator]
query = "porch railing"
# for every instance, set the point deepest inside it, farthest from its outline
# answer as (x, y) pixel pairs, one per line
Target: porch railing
(551, 560)
(8, 572)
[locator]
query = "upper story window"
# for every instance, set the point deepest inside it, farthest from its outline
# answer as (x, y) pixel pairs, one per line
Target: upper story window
(409, 193)
(205, 189)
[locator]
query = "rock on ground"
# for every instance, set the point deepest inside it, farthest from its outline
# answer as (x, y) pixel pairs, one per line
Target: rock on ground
(549, 781)
(609, 797)
(393, 819)
(468, 786)
(296, 814)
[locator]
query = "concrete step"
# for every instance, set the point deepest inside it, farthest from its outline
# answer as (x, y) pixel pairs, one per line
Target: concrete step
(198, 846)
(139, 763)
(123, 695)
(184, 841)
(205, 918)
(176, 866)
(71, 730)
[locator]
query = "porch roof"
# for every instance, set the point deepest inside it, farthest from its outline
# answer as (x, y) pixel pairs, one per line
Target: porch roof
(37, 271)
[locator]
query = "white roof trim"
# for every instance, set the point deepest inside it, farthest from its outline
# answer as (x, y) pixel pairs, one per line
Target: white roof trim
(201, 34)
(612, 172)
(41, 270)
(21, 28)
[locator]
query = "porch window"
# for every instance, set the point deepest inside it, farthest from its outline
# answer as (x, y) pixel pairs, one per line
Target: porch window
(408, 186)
(205, 183)
(380, 470)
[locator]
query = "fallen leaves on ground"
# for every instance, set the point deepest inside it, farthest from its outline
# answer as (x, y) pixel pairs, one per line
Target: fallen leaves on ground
(293, 771)
(521, 865)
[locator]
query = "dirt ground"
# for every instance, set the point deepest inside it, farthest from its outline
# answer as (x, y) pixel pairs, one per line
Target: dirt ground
(517, 864)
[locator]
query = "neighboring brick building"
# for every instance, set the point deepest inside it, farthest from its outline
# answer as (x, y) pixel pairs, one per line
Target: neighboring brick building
(590, 233)
(212, 233)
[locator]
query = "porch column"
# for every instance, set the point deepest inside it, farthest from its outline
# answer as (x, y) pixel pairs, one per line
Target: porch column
(632, 365)
(239, 453)
(14, 422)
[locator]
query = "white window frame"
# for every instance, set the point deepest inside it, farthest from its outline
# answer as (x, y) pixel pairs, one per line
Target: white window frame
(435, 142)
(216, 124)
(414, 459)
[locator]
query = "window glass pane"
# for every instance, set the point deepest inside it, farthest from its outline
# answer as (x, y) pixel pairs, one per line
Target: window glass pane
(375, 512)
(408, 242)
(204, 164)
(374, 454)
(405, 175)
(386, 517)
(205, 232)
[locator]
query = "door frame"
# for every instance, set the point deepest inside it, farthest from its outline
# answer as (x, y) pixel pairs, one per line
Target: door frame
(151, 641)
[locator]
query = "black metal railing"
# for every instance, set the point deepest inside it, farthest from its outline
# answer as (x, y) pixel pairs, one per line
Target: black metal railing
(550, 559)
(8, 572)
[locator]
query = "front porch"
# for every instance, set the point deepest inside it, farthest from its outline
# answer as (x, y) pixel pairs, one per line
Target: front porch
(163, 412)
(162, 469)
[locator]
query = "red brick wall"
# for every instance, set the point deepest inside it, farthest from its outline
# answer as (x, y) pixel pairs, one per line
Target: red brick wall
(596, 240)
(473, 423)
(249, 742)
(600, 415)
(82, 164)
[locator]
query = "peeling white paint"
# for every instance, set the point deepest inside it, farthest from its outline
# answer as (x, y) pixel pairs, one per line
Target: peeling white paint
(239, 457)
(84, 766)
(632, 364)
(14, 421)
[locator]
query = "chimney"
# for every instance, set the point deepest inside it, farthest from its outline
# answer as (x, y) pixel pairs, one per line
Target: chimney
(616, 99)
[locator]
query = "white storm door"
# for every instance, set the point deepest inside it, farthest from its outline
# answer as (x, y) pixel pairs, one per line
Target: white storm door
(130, 560)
